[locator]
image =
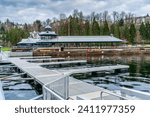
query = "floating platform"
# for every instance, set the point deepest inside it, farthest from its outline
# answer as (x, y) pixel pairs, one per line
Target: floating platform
(45, 76)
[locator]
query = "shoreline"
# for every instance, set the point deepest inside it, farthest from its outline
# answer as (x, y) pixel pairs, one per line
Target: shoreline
(89, 52)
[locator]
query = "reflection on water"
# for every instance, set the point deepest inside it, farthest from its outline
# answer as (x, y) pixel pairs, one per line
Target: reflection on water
(137, 78)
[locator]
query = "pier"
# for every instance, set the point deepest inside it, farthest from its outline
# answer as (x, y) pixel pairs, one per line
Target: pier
(59, 83)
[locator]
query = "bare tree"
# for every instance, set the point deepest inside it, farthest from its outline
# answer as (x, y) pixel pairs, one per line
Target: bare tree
(122, 15)
(48, 21)
(92, 16)
(75, 13)
(105, 15)
(114, 15)
(100, 18)
(62, 16)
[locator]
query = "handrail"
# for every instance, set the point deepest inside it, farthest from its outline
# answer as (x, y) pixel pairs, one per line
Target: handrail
(138, 94)
(65, 88)
(37, 97)
(113, 94)
(47, 89)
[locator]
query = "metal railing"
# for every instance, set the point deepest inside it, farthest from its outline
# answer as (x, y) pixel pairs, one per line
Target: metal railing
(57, 90)
(112, 96)
(37, 97)
(135, 93)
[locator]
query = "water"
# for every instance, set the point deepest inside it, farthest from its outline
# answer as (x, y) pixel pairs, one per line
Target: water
(137, 77)
(19, 90)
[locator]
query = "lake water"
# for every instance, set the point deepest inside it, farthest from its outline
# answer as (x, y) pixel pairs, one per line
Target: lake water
(19, 90)
(137, 77)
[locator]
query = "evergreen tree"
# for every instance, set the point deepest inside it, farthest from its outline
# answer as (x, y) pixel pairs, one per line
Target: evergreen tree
(132, 31)
(143, 31)
(15, 35)
(87, 28)
(117, 31)
(121, 22)
(95, 28)
(147, 32)
(37, 25)
(106, 29)
(126, 33)
(112, 29)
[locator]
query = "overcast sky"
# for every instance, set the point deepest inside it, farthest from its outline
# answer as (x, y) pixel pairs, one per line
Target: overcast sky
(29, 10)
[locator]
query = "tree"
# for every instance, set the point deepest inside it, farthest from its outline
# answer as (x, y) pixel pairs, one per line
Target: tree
(132, 31)
(105, 15)
(106, 29)
(121, 22)
(148, 32)
(115, 14)
(2, 29)
(37, 25)
(87, 28)
(143, 31)
(112, 29)
(14, 35)
(95, 28)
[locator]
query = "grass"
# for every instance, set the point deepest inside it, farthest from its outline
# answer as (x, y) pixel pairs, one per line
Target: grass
(6, 49)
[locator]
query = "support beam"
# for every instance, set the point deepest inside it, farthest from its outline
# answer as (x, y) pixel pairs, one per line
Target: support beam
(7, 77)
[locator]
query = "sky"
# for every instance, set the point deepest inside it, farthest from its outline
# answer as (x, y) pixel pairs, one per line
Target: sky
(27, 11)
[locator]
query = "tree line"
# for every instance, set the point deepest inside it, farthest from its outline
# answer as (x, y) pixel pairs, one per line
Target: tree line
(121, 25)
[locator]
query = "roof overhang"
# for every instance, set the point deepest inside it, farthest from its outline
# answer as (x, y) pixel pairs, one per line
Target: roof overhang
(83, 39)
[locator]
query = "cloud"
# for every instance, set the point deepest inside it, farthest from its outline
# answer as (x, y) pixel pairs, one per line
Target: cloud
(30, 10)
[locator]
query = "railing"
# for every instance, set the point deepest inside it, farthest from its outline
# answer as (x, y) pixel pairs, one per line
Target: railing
(37, 97)
(135, 93)
(57, 90)
(112, 95)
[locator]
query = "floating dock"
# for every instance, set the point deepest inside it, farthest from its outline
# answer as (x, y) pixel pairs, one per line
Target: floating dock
(64, 62)
(76, 87)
